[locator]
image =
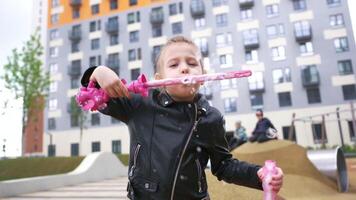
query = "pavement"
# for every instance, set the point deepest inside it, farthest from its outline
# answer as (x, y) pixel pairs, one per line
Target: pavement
(103, 190)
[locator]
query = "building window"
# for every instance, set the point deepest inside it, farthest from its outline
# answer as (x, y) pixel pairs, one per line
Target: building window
(285, 99)
(53, 104)
(217, 3)
(349, 92)
(53, 68)
(51, 123)
(286, 131)
(95, 44)
(95, 9)
(278, 53)
(333, 2)
(299, 5)
(132, 2)
(228, 84)
(230, 105)
(317, 134)
(74, 120)
(345, 67)
(341, 44)
(114, 39)
(53, 86)
(74, 149)
(225, 60)
(245, 13)
(74, 47)
(135, 54)
(223, 39)
(95, 119)
(251, 56)
(53, 52)
(54, 18)
(336, 20)
(199, 22)
(281, 75)
(155, 52)
(221, 20)
(175, 8)
(272, 10)
(306, 48)
(177, 28)
(55, 3)
(75, 13)
(95, 146)
(51, 150)
(256, 99)
(313, 95)
(134, 36)
(351, 130)
(94, 26)
(95, 61)
(157, 31)
(256, 81)
(135, 73)
(74, 82)
(133, 17)
(53, 34)
(202, 43)
(113, 4)
(116, 146)
(275, 30)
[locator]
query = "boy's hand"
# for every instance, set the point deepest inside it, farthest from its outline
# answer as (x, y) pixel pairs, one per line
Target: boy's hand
(277, 179)
(110, 82)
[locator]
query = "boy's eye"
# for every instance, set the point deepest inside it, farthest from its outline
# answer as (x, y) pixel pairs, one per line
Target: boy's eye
(192, 63)
(173, 65)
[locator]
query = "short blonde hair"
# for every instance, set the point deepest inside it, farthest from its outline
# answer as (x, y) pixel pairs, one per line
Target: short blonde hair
(175, 40)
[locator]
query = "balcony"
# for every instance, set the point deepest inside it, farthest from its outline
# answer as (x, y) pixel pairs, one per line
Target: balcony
(310, 76)
(112, 27)
(197, 8)
(246, 3)
(251, 43)
(157, 16)
(75, 34)
(303, 32)
(75, 3)
(74, 70)
(255, 87)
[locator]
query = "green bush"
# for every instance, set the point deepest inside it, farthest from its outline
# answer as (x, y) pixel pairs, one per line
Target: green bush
(349, 149)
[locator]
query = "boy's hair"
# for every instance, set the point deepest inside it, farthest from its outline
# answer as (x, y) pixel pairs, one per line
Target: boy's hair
(175, 40)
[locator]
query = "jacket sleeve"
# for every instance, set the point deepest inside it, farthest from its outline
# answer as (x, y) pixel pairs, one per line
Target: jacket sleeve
(226, 168)
(119, 108)
(270, 124)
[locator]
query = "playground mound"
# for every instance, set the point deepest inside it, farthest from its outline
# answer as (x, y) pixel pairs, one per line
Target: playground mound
(301, 178)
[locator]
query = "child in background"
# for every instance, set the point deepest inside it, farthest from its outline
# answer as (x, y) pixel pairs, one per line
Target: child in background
(174, 131)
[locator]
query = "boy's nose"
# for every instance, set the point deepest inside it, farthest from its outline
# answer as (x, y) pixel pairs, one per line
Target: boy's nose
(184, 69)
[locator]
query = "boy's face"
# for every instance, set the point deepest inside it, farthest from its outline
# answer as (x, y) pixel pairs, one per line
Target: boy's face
(180, 60)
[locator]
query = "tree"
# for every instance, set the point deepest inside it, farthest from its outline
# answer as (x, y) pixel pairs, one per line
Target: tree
(25, 76)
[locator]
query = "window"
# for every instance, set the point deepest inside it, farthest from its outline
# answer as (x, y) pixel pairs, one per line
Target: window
(250, 37)
(133, 17)
(230, 105)
(177, 28)
(74, 82)
(53, 68)
(281, 75)
(351, 130)
(157, 31)
(74, 120)
(202, 43)
(333, 2)
(256, 81)
(287, 130)
(223, 39)
(336, 20)
(349, 92)
(95, 146)
(256, 99)
(55, 3)
(75, 13)
(113, 4)
(95, 26)
(306, 48)
(155, 53)
(53, 104)
(278, 53)
(134, 36)
(134, 54)
(74, 47)
(95, 119)
(74, 149)
(54, 18)
(299, 5)
(53, 86)
(228, 84)
(285, 99)
(272, 10)
(317, 134)
(251, 56)
(275, 30)
(114, 39)
(245, 13)
(217, 3)
(114, 120)
(116, 146)
(221, 20)
(302, 29)
(53, 34)
(225, 60)
(51, 123)
(95, 44)
(199, 22)
(175, 8)
(53, 52)
(133, 2)
(135, 73)
(345, 67)
(341, 44)
(95, 60)
(51, 150)
(94, 9)
(313, 95)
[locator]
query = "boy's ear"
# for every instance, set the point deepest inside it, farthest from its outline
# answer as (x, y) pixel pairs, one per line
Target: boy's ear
(158, 76)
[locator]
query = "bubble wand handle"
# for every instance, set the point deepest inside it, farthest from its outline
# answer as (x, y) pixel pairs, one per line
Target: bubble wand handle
(269, 169)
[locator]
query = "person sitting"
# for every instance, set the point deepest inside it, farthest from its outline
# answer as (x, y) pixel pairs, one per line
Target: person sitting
(264, 129)
(239, 136)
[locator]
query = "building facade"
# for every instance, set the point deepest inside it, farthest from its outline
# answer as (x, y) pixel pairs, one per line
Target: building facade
(300, 53)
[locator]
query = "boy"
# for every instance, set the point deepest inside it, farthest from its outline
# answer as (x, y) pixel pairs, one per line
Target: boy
(174, 131)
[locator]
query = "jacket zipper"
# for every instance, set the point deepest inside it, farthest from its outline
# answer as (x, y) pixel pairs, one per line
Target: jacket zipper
(184, 149)
(199, 174)
(137, 150)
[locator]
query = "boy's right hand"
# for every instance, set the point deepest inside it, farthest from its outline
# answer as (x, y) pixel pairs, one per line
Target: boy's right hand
(109, 82)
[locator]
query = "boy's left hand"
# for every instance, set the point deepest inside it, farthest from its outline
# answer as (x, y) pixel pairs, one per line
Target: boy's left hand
(277, 179)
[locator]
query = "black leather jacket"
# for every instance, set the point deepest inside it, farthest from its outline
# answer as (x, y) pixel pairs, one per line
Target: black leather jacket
(170, 144)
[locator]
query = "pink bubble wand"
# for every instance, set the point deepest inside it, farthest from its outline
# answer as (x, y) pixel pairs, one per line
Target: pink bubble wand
(91, 98)
(268, 170)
